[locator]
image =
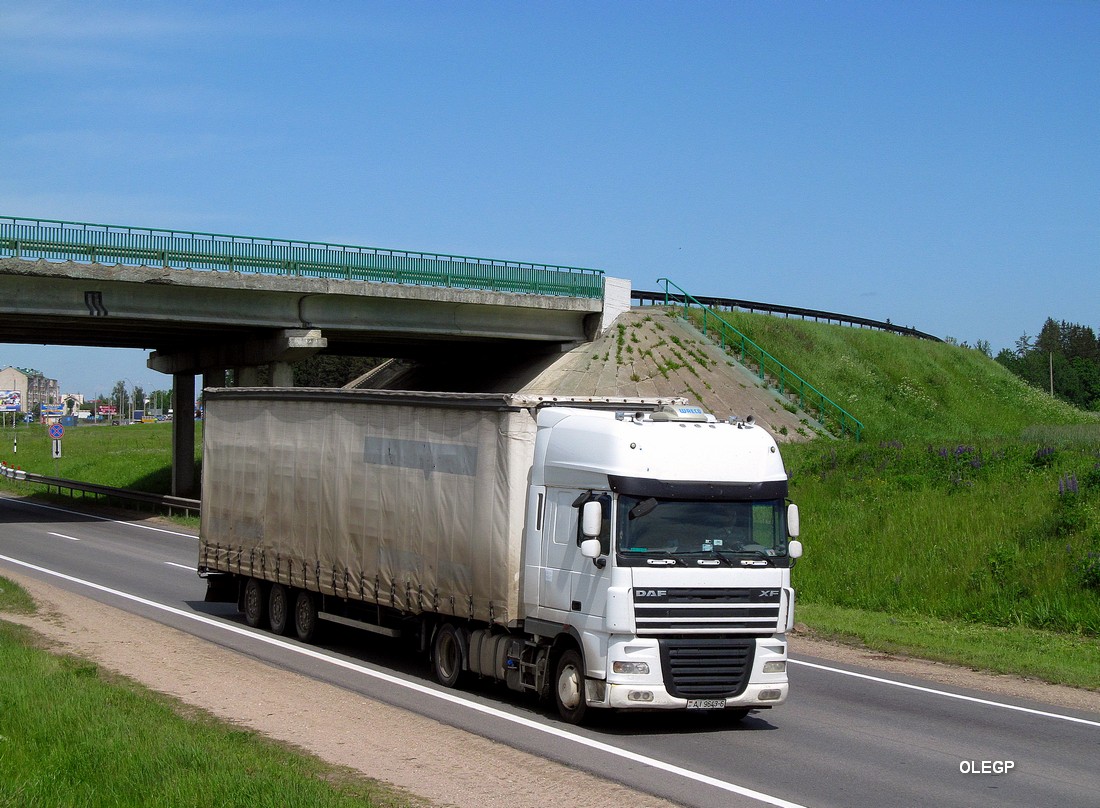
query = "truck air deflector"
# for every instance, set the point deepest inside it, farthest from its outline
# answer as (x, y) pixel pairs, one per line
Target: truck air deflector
(698, 490)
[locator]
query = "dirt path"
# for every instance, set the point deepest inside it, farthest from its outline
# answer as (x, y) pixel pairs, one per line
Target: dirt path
(441, 765)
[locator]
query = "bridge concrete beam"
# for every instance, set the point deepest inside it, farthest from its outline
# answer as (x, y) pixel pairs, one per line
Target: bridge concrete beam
(286, 346)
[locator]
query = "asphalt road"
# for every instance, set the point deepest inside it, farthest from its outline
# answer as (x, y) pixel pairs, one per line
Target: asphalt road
(848, 737)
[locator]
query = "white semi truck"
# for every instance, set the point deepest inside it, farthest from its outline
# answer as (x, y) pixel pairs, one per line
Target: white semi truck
(600, 553)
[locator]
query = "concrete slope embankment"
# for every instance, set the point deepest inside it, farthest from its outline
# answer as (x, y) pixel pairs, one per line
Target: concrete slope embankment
(647, 352)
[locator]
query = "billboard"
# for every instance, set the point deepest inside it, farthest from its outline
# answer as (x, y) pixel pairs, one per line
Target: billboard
(106, 409)
(11, 401)
(52, 410)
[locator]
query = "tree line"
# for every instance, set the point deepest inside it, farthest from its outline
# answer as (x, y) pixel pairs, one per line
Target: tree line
(1065, 356)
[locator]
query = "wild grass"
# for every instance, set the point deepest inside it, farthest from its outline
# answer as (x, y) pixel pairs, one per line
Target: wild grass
(72, 735)
(1067, 659)
(986, 533)
(14, 599)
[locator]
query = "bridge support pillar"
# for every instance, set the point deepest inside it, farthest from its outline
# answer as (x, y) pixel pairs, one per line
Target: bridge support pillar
(183, 435)
(282, 374)
(247, 376)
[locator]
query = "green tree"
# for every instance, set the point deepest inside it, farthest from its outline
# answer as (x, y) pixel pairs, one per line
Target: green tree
(1067, 351)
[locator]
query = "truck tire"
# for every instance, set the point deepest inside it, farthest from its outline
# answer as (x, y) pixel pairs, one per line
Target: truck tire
(448, 653)
(569, 687)
(255, 604)
(278, 609)
(305, 616)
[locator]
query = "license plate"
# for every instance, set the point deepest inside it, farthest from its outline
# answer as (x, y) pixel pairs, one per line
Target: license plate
(706, 704)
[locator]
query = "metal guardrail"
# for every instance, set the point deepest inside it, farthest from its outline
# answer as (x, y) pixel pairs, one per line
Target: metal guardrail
(58, 240)
(159, 501)
(786, 380)
(730, 303)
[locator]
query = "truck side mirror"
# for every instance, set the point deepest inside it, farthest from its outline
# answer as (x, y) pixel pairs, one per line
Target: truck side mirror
(794, 549)
(792, 520)
(592, 520)
(590, 548)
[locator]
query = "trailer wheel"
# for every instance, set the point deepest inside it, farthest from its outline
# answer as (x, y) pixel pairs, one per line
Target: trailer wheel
(278, 609)
(569, 687)
(305, 616)
(255, 613)
(447, 655)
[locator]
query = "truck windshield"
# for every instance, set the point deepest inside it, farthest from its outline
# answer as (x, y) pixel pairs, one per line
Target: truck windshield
(649, 525)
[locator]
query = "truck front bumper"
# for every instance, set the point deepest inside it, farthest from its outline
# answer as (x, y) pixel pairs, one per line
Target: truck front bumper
(765, 683)
(641, 697)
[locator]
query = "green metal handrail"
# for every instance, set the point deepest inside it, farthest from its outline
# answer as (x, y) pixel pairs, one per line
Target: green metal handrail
(98, 243)
(733, 341)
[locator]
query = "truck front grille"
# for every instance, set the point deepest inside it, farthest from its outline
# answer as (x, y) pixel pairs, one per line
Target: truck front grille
(706, 667)
(751, 612)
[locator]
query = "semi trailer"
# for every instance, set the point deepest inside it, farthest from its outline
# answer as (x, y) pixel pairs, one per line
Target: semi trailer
(598, 553)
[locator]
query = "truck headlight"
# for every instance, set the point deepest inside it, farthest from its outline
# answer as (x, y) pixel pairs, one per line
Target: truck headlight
(630, 667)
(775, 666)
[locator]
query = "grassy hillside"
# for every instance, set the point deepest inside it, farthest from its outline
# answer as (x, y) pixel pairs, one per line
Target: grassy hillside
(972, 499)
(903, 388)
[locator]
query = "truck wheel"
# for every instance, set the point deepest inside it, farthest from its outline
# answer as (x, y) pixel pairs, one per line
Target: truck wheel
(569, 687)
(305, 616)
(278, 609)
(254, 602)
(447, 654)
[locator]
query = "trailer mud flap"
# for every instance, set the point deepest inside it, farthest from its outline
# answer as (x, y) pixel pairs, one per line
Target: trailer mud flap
(221, 588)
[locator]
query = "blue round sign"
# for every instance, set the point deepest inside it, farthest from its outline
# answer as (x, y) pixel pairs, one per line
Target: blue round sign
(56, 431)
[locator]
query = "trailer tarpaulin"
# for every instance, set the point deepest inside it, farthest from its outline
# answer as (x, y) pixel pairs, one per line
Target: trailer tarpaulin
(417, 505)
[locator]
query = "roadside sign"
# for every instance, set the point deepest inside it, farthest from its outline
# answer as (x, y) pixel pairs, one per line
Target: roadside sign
(56, 448)
(57, 431)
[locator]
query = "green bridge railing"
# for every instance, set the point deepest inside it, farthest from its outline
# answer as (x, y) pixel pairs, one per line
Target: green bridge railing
(140, 246)
(786, 380)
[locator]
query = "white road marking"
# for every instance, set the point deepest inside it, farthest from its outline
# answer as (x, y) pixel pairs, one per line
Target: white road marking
(452, 698)
(63, 536)
(945, 693)
(181, 566)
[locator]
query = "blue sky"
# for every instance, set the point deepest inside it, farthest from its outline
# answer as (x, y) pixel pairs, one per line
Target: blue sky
(934, 164)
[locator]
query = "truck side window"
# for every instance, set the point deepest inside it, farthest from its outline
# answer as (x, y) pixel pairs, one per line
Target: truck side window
(605, 528)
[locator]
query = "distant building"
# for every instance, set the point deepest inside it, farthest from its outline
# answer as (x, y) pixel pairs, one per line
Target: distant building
(24, 389)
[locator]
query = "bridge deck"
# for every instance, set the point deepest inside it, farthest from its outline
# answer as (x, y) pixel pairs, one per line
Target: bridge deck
(56, 240)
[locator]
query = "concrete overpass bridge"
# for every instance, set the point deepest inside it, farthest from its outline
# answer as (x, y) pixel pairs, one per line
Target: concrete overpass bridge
(205, 303)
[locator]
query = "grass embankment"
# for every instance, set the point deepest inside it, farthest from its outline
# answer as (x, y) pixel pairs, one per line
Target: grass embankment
(965, 526)
(138, 456)
(70, 734)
